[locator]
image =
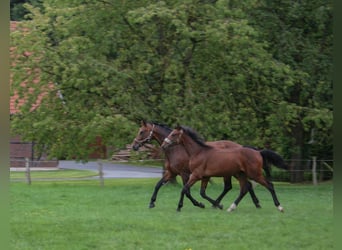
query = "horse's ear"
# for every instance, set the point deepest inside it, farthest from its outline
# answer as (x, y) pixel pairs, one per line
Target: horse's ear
(178, 126)
(143, 123)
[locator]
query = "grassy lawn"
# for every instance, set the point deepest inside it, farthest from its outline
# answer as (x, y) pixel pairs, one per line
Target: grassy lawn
(51, 174)
(141, 163)
(83, 215)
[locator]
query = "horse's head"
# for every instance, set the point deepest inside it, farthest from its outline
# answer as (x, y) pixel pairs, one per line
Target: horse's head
(173, 138)
(144, 135)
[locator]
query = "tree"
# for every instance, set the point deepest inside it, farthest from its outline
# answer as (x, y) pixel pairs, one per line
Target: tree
(300, 35)
(206, 64)
(71, 56)
(18, 11)
(209, 53)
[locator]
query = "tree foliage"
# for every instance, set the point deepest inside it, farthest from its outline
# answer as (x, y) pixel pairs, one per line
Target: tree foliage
(299, 33)
(18, 11)
(257, 72)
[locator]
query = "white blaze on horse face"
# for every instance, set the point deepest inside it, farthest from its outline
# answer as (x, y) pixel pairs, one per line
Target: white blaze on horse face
(166, 143)
(167, 140)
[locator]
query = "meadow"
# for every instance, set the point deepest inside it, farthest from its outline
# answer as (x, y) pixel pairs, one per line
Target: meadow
(82, 214)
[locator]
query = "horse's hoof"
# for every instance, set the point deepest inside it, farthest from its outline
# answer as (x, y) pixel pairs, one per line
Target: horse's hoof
(217, 206)
(231, 208)
(152, 205)
(178, 209)
(281, 209)
(201, 205)
(258, 206)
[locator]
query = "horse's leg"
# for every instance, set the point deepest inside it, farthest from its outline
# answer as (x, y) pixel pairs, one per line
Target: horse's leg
(185, 179)
(269, 185)
(253, 196)
(243, 181)
(166, 177)
(204, 184)
(226, 188)
(186, 191)
(160, 183)
(244, 188)
(266, 168)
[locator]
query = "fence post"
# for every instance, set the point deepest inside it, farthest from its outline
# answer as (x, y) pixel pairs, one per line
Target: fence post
(27, 172)
(314, 172)
(100, 167)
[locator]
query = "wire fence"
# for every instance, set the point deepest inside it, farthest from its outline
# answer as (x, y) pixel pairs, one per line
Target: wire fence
(309, 170)
(300, 171)
(20, 162)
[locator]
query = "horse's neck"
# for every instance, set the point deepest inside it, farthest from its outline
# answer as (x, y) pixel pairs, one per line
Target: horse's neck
(191, 147)
(160, 134)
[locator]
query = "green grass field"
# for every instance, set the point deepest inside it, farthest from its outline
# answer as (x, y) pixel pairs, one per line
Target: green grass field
(83, 215)
(53, 174)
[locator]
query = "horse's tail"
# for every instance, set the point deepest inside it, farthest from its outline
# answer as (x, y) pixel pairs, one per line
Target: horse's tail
(272, 157)
(269, 156)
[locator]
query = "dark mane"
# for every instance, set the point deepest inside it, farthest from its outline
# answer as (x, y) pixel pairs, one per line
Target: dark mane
(195, 136)
(161, 125)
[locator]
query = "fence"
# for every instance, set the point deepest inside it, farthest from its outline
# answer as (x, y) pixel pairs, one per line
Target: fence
(19, 150)
(27, 166)
(314, 171)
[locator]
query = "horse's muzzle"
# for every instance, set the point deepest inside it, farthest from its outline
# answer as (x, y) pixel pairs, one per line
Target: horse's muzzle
(136, 147)
(166, 143)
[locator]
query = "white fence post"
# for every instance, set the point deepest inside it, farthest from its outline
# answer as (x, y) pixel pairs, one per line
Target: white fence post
(27, 172)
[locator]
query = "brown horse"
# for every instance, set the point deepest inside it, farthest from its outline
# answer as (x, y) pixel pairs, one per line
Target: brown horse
(207, 161)
(177, 163)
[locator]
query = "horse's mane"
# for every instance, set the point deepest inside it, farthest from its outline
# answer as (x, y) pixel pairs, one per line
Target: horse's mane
(195, 136)
(161, 125)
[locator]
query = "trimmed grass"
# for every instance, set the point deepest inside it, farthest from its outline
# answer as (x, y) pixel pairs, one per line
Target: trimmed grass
(142, 163)
(83, 215)
(60, 173)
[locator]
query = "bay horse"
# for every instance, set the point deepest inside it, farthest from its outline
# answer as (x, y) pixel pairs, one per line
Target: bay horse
(206, 161)
(177, 163)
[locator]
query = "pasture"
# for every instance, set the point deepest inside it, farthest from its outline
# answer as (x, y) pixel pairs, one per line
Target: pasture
(83, 215)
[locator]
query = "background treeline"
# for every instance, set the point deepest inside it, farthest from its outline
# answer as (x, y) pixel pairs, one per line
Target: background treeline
(257, 72)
